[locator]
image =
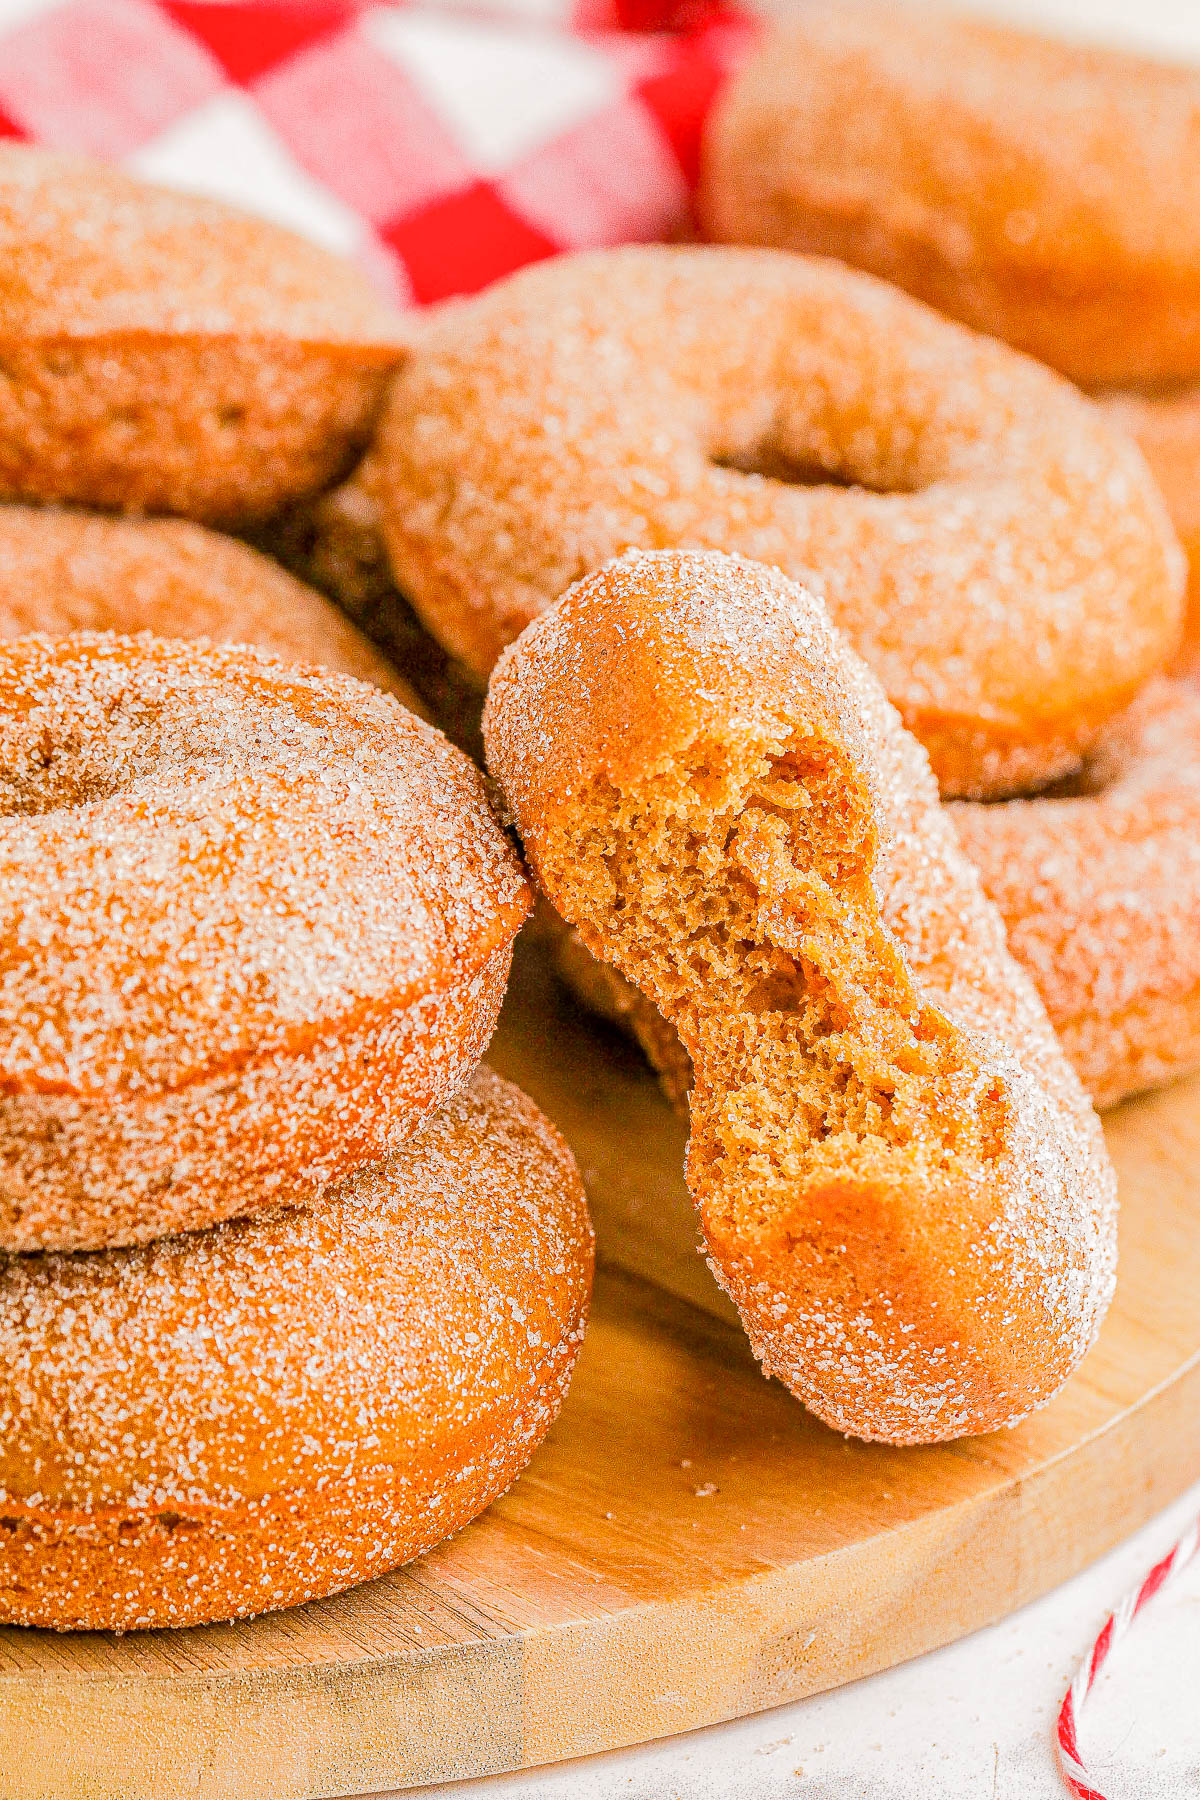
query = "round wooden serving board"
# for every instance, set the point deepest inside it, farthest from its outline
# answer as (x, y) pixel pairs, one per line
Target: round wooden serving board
(688, 1545)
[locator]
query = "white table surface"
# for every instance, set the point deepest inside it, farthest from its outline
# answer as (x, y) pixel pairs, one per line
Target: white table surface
(973, 1721)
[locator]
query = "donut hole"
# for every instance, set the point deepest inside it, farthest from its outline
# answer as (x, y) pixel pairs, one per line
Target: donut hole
(769, 463)
(807, 454)
(61, 772)
(55, 764)
(739, 898)
(101, 745)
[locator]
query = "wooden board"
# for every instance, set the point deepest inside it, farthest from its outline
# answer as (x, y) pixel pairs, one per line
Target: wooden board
(687, 1546)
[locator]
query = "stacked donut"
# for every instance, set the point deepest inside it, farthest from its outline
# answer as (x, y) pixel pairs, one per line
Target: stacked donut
(290, 1286)
(1047, 193)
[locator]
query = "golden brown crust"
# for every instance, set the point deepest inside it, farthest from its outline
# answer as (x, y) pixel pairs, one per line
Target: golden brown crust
(1166, 428)
(90, 251)
(899, 1178)
(1098, 885)
(256, 1415)
(78, 1172)
(163, 352)
(1004, 564)
(1100, 894)
(1045, 192)
(63, 570)
(255, 921)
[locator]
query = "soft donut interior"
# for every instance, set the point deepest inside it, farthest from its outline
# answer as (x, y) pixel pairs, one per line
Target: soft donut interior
(737, 891)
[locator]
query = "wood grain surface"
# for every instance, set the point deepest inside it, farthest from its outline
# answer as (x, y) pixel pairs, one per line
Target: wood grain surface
(688, 1545)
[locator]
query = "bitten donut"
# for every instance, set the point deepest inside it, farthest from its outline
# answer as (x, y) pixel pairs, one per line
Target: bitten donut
(1098, 884)
(255, 922)
(245, 1418)
(1002, 561)
(162, 352)
(1045, 192)
(1099, 888)
(899, 1178)
(63, 570)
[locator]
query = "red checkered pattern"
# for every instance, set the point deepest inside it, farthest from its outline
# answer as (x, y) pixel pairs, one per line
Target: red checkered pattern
(441, 147)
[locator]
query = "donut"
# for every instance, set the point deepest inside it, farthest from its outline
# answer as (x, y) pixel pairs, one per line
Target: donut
(63, 570)
(162, 352)
(1041, 191)
(899, 1179)
(1044, 192)
(1166, 427)
(1099, 887)
(255, 923)
(245, 1418)
(1098, 884)
(1003, 561)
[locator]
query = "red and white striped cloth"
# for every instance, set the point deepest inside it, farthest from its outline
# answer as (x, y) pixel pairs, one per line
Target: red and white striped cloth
(440, 147)
(1074, 1770)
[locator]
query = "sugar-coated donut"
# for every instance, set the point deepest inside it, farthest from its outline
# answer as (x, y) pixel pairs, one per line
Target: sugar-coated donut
(899, 1178)
(64, 570)
(248, 1417)
(1166, 427)
(164, 352)
(1045, 192)
(1099, 888)
(255, 922)
(1098, 884)
(1004, 562)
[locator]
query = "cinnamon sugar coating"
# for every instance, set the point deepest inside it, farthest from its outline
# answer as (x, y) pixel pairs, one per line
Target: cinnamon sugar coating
(1166, 428)
(1002, 560)
(164, 352)
(1043, 191)
(1099, 888)
(269, 1411)
(63, 570)
(255, 922)
(899, 1178)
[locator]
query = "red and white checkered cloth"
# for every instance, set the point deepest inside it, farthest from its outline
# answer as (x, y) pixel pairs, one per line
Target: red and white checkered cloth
(439, 146)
